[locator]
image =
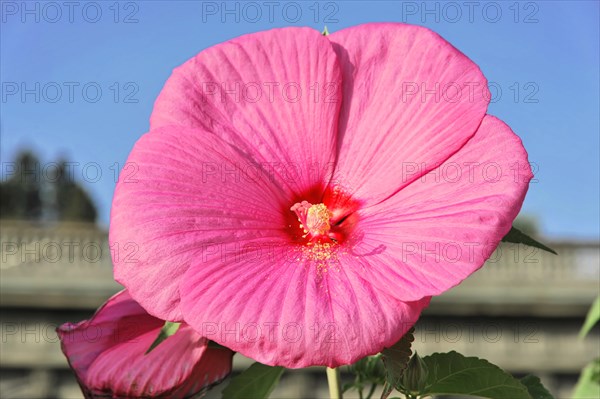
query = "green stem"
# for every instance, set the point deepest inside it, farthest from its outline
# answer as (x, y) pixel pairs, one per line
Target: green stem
(333, 379)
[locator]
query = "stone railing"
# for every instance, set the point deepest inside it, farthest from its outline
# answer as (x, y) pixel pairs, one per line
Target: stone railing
(522, 310)
(69, 266)
(64, 266)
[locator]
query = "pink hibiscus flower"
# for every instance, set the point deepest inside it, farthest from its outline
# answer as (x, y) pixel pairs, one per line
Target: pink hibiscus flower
(107, 354)
(299, 198)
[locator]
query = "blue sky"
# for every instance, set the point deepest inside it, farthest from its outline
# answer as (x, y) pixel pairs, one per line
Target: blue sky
(108, 61)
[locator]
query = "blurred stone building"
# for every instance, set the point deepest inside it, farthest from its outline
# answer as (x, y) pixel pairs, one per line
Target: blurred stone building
(522, 310)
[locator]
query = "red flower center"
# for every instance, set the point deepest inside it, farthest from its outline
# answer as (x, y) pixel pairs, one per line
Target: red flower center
(328, 218)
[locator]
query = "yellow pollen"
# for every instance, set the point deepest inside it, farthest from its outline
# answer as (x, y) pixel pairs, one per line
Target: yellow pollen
(321, 251)
(314, 219)
(323, 255)
(317, 219)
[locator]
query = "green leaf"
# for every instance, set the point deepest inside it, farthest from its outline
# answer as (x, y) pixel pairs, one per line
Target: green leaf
(588, 386)
(396, 357)
(168, 329)
(535, 388)
(257, 381)
(387, 390)
(454, 374)
(347, 386)
(591, 319)
(367, 371)
(325, 31)
(518, 237)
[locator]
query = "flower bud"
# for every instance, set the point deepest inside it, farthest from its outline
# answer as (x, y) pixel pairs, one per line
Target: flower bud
(415, 376)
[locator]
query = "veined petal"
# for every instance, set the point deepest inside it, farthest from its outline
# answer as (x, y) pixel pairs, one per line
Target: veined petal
(442, 227)
(281, 306)
(120, 317)
(273, 94)
(107, 354)
(191, 193)
(410, 100)
(180, 366)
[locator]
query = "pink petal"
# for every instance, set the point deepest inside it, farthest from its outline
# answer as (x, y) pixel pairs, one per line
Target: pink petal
(388, 122)
(441, 228)
(279, 307)
(192, 194)
(107, 354)
(181, 365)
(284, 110)
(120, 317)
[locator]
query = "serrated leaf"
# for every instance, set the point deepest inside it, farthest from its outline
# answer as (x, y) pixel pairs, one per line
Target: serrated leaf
(257, 381)
(168, 329)
(396, 357)
(591, 319)
(588, 386)
(516, 236)
(535, 388)
(454, 374)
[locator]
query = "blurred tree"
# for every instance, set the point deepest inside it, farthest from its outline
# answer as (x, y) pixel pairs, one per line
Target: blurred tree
(28, 194)
(73, 202)
(21, 197)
